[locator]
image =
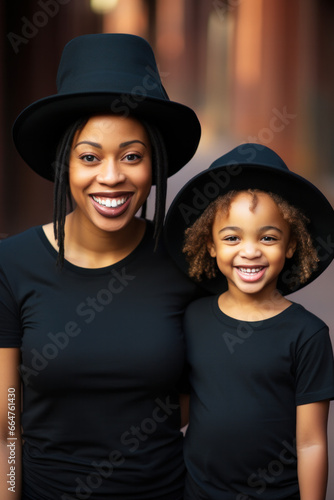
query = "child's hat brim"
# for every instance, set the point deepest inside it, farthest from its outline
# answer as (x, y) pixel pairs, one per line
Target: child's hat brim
(251, 166)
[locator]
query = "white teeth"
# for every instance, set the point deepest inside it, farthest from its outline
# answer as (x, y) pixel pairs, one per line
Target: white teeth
(250, 270)
(108, 202)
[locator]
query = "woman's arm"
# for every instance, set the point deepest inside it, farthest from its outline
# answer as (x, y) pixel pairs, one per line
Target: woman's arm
(10, 425)
(184, 408)
(312, 451)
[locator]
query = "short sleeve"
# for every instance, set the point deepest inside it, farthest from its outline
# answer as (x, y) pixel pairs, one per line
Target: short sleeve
(315, 369)
(10, 328)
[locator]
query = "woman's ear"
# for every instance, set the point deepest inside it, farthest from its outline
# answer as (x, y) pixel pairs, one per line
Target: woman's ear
(211, 248)
(291, 248)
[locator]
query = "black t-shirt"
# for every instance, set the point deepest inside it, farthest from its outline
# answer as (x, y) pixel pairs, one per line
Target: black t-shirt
(246, 379)
(102, 357)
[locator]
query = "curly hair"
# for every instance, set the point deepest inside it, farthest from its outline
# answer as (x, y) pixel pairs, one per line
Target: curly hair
(199, 235)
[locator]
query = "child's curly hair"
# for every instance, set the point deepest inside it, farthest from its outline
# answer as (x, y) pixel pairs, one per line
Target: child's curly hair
(199, 235)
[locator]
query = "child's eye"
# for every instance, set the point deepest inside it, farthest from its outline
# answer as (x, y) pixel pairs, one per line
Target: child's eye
(269, 238)
(232, 239)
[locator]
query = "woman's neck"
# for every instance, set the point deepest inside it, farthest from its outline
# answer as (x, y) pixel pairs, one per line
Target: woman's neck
(88, 247)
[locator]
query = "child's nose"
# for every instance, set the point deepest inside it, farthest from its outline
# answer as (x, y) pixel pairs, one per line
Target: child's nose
(250, 250)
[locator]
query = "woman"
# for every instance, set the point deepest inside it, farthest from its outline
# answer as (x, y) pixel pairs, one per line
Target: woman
(90, 304)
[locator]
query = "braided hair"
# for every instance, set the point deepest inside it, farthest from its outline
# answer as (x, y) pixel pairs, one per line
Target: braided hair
(62, 194)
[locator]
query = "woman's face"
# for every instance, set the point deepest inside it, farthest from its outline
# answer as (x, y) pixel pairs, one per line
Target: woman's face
(110, 171)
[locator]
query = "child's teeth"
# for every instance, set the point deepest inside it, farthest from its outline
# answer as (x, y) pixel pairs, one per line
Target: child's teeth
(247, 270)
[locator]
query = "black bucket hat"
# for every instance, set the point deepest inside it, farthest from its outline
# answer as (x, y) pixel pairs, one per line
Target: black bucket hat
(98, 74)
(251, 166)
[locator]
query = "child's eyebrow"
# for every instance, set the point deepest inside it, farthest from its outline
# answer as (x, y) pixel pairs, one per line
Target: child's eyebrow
(261, 229)
(270, 228)
(230, 228)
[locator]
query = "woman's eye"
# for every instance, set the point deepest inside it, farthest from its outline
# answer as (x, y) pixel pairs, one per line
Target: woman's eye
(131, 157)
(88, 158)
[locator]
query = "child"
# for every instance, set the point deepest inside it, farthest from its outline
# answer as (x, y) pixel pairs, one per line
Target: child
(261, 366)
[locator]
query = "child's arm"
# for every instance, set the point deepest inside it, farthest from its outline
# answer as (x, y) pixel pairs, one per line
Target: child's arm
(312, 452)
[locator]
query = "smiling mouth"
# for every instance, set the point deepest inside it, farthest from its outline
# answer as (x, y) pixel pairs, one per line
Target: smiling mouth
(251, 274)
(111, 202)
(250, 270)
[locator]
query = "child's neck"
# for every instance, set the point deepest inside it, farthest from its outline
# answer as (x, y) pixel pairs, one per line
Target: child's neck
(252, 307)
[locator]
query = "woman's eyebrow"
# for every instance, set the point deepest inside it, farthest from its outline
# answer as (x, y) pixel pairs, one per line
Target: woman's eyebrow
(122, 145)
(127, 143)
(94, 144)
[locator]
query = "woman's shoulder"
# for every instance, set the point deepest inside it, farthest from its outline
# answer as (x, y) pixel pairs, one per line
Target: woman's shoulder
(27, 234)
(20, 243)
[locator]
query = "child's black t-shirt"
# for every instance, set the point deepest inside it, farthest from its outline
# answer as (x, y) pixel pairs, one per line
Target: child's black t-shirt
(247, 379)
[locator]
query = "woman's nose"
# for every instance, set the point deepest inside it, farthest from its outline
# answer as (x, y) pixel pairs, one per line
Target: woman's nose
(111, 172)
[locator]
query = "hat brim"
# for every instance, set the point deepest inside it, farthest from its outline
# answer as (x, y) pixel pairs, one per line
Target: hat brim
(38, 129)
(196, 195)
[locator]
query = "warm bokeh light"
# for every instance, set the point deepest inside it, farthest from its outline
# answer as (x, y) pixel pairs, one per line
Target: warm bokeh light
(170, 28)
(103, 6)
(249, 42)
(128, 16)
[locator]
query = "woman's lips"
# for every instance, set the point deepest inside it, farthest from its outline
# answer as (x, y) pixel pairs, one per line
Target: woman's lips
(111, 206)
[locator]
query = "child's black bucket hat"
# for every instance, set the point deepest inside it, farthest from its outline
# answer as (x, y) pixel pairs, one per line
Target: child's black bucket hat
(258, 167)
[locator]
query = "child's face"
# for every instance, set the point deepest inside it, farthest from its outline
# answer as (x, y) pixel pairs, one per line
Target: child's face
(251, 245)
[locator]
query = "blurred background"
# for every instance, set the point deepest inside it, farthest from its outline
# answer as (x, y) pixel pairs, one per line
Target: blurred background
(253, 70)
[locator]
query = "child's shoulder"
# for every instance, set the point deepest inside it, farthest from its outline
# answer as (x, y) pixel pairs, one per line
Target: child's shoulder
(301, 326)
(201, 305)
(296, 319)
(301, 315)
